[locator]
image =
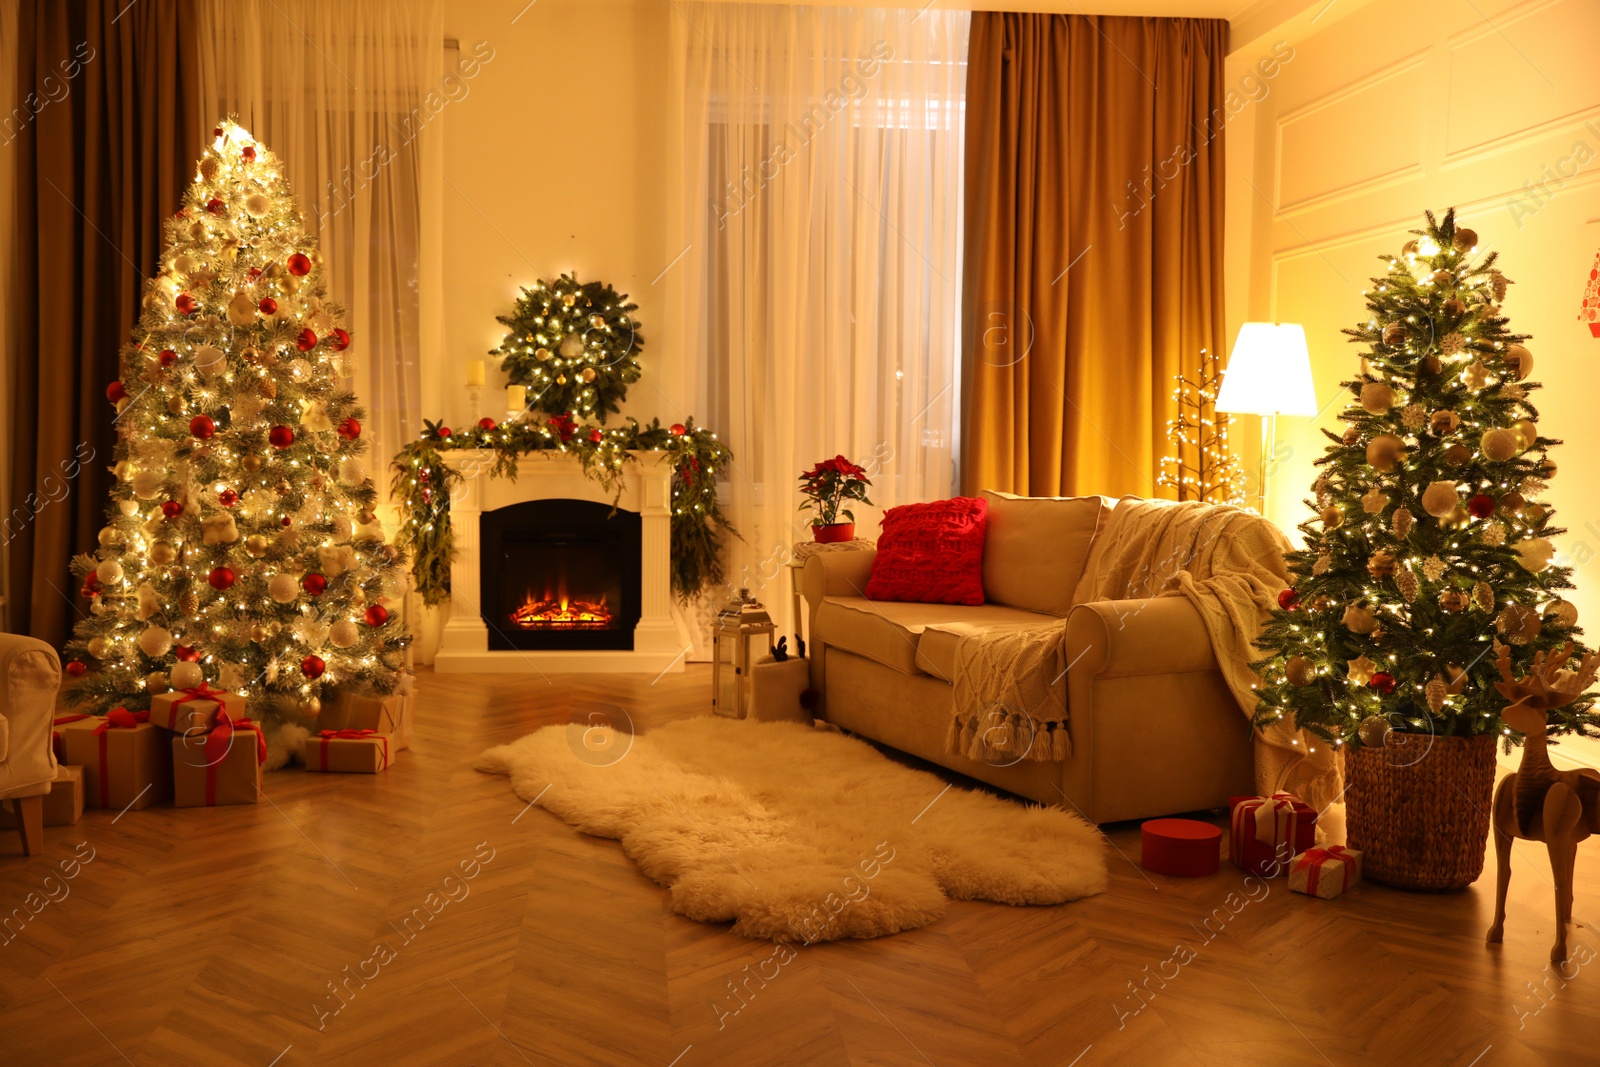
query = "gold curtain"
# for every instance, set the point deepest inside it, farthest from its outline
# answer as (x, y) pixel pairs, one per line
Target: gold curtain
(104, 150)
(1093, 267)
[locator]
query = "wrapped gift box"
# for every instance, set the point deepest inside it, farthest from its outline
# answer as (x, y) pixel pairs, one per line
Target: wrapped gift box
(198, 709)
(1266, 833)
(1325, 872)
(63, 805)
(126, 761)
(56, 743)
(365, 711)
(348, 751)
(221, 766)
(1182, 848)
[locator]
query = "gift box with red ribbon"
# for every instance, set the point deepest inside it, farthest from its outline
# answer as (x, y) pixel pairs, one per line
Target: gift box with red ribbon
(348, 751)
(126, 761)
(1325, 872)
(1266, 833)
(220, 766)
(197, 709)
(56, 743)
(366, 711)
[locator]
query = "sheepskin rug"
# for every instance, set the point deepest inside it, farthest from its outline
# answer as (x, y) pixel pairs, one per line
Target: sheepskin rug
(797, 834)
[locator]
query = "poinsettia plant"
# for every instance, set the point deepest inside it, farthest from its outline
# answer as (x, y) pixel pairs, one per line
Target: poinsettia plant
(829, 485)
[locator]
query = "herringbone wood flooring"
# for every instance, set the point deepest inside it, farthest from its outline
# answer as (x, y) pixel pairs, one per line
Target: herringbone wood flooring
(212, 937)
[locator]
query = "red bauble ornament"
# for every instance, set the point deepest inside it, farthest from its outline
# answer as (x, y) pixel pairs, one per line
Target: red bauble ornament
(280, 436)
(187, 654)
(91, 584)
(341, 340)
(220, 577)
(253, 273)
(444, 431)
(115, 392)
(307, 340)
(1481, 506)
(312, 667)
(167, 357)
(227, 498)
(377, 615)
(349, 429)
(217, 132)
(215, 206)
(172, 509)
(1288, 599)
(186, 304)
(596, 436)
(299, 265)
(203, 427)
(268, 306)
(314, 583)
(486, 424)
(248, 154)
(1383, 682)
(678, 429)
(76, 668)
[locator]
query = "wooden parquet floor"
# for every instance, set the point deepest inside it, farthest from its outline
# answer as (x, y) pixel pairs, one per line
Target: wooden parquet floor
(427, 916)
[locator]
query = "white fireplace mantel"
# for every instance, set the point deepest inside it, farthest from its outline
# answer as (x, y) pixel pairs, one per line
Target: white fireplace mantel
(659, 644)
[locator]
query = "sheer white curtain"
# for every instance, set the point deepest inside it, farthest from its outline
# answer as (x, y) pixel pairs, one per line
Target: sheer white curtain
(822, 156)
(346, 93)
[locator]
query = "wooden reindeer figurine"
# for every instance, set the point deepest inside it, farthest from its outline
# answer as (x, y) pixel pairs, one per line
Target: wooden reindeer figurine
(1537, 802)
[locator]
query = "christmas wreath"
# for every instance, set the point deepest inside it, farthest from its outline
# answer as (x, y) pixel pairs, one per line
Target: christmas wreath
(575, 345)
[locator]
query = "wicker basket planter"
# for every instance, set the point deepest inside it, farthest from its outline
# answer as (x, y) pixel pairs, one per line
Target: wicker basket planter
(1419, 813)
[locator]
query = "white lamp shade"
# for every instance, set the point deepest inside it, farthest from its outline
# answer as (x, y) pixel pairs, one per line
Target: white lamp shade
(1269, 372)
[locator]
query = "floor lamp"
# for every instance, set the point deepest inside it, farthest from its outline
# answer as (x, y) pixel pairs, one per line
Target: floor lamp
(1268, 374)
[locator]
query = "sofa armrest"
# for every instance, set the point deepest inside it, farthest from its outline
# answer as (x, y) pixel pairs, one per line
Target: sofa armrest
(836, 574)
(1121, 638)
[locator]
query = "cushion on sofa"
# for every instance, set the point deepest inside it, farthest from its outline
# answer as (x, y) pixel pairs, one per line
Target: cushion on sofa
(1036, 548)
(936, 648)
(931, 553)
(887, 631)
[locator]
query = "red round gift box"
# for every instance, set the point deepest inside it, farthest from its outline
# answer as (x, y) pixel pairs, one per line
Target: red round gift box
(1184, 848)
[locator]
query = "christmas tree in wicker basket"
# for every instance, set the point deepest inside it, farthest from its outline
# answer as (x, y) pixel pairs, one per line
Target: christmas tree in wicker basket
(1431, 537)
(241, 548)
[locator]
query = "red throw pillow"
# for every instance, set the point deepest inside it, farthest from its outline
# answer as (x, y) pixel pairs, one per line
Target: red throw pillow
(931, 553)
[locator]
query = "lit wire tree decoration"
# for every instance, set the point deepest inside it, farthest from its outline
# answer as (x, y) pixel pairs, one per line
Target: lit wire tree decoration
(1201, 435)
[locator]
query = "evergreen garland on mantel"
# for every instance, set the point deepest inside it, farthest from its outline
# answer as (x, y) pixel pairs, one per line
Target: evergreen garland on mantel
(423, 483)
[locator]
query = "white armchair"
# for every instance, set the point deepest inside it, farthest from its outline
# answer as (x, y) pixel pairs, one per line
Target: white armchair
(30, 679)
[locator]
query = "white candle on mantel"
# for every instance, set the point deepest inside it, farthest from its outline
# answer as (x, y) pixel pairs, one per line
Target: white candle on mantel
(474, 373)
(516, 397)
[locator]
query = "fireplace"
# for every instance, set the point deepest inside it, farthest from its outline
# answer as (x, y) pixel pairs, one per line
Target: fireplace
(560, 574)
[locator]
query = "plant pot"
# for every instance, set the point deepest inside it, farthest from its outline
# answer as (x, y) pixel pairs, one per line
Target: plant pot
(839, 531)
(1419, 812)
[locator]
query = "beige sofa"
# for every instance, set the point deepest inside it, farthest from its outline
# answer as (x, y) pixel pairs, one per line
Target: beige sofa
(1154, 728)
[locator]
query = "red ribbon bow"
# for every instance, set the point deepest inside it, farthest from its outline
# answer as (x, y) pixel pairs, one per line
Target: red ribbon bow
(219, 741)
(1314, 858)
(116, 719)
(346, 733)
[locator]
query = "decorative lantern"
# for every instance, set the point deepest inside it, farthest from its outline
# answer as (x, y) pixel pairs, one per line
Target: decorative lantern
(738, 627)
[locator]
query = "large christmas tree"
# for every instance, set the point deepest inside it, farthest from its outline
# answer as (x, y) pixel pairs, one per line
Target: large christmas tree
(1431, 534)
(241, 546)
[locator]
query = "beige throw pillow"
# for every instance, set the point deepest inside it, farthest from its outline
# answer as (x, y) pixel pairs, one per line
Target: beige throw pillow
(1036, 549)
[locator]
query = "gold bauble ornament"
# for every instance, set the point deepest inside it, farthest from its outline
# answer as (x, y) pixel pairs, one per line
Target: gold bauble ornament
(1500, 445)
(156, 682)
(1453, 307)
(1518, 623)
(1443, 423)
(1332, 518)
(311, 707)
(1351, 435)
(1381, 564)
(1562, 613)
(175, 404)
(1519, 361)
(1513, 503)
(1458, 455)
(588, 374)
(1431, 365)
(568, 300)
(1394, 334)
(542, 355)
(1440, 499)
(1441, 278)
(210, 168)
(1299, 671)
(1465, 240)
(251, 463)
(162, 553)
(1534, 513)
(1534, 554)
(1385, 451)
(561, 379)
(1377, 398)
(597, 321)
(99, 646)
(258, 633)
(1453, 601)
(256, 546)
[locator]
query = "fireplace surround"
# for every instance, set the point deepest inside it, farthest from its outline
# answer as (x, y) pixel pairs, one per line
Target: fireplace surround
(572, 524)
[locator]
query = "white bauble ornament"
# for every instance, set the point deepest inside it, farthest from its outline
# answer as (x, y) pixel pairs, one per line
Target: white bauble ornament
(129, 508)
(147, 484)
(1534, 554)
(108, 536)
(1440, 499)
(299, 370)
(352, 471)
(284, 588)
(1385, 451)
(343, 634)
(99, 647)
(156, 641)
(220, 529)
(1377, 398)
(242, 310)
(396, 584)
(257, 205)
(157, 682)
(162, 553)
(187, 675)
(109, 572)
(1358, 618)
(1500, 445)
(209, 360)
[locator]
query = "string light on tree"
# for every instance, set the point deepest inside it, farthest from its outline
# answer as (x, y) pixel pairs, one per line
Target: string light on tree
(575, 346)
(1203, 466)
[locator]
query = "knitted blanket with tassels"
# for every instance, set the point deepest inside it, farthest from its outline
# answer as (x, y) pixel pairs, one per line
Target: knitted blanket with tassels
(1010, 693)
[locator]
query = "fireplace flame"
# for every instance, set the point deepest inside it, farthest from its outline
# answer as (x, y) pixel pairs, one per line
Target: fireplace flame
(561, 612)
